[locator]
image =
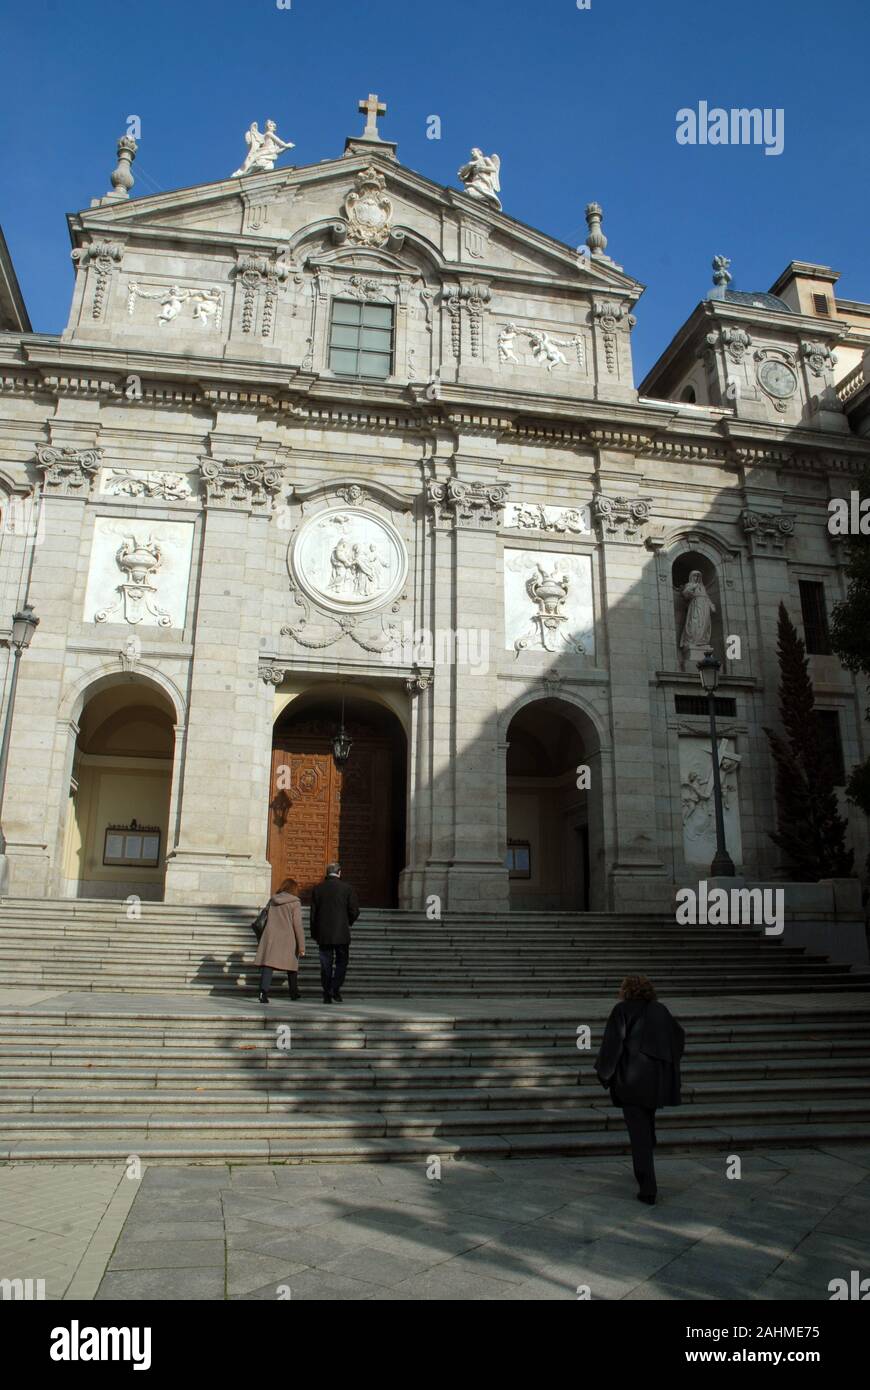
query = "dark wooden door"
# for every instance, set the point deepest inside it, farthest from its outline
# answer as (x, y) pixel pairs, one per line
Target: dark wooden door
(319, 813)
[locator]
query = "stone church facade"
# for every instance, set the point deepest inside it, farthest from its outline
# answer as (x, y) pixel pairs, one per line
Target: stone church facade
(333, 447)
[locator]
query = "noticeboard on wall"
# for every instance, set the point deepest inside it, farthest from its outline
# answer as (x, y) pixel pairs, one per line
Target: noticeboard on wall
(132, 845)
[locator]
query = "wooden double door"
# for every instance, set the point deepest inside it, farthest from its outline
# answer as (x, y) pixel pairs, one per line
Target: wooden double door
(319, 813)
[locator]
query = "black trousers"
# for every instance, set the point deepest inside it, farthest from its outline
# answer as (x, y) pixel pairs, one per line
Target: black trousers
(266, 972)
(641, 1124)
(333, 967)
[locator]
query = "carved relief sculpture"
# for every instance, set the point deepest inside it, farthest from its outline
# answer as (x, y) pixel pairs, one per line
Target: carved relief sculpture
(206, 305)
(559, 588)
(368, 210)
(264, 148)
(696, 798)
(545, 349)
(548, 589)
(536, 516)
(481, 177)
(172, 486)
(138, 561)
(348, 560)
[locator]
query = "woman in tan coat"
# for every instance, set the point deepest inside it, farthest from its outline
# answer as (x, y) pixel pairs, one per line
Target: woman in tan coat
(282, 944)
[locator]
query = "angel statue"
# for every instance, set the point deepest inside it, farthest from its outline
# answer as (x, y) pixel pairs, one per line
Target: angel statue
(264, 148)
(481, 177)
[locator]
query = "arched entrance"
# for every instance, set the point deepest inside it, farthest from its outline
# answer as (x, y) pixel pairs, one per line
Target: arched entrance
(320, 812)
(555, 853)
(118, 816)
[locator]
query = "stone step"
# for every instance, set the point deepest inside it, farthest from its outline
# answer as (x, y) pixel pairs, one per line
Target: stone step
(454, 1093)
(406, 987)
(702, 1109)
(365, 1150)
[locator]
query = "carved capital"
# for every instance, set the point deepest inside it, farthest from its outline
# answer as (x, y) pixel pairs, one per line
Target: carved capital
(818, 358)
(103, 257)
(767, 532)
(621, 518)
(271, 675)
(261, 277)
(419, 682)
(68, 472)
(239, 485)
(468, 504)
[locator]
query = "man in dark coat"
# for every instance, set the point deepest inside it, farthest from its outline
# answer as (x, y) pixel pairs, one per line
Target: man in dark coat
(334, 909)
(639, 1063)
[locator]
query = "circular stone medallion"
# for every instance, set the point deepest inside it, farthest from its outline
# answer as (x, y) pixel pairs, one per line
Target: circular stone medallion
(348, 560)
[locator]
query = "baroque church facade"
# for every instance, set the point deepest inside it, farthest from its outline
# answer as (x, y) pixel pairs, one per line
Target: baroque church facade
(334, 452)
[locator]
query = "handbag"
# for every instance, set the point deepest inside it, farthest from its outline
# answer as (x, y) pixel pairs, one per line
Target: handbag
(259, 923)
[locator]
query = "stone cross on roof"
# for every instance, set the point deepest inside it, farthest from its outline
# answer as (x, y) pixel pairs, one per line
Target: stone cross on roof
(371, 109)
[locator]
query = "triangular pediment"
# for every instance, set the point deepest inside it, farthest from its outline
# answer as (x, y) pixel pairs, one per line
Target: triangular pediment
(304, 209)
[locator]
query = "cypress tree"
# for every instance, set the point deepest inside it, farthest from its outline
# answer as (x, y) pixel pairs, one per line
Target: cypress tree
(810, 830)
(850, 637)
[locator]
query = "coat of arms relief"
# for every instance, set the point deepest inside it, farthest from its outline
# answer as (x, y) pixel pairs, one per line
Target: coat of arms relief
(368, 210)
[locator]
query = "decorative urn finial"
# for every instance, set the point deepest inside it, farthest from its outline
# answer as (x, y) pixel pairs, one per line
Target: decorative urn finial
(596, 240)
(122, 176)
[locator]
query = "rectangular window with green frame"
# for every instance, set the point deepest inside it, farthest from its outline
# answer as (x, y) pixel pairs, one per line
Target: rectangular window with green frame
(361, 339)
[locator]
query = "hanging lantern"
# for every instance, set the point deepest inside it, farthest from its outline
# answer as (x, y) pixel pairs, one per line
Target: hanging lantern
(342, 742)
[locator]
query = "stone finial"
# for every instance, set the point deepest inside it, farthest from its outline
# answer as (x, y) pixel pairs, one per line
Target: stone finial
(596, 240)
(122, 176)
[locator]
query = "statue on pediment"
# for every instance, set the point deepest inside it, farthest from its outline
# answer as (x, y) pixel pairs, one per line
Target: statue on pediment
(481, 177)
(264, 147)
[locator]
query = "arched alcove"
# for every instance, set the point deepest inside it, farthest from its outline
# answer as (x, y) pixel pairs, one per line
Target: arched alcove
(690, 602)
(117, 823)
(555, 828)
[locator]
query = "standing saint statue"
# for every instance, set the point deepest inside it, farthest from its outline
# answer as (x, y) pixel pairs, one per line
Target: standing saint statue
(481, 177)
(264, 148)
(698, 626)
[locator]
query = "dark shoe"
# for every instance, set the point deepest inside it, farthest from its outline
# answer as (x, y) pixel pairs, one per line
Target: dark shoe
(649, 1201)
(327, 998)
(264, 998)
(337, 997)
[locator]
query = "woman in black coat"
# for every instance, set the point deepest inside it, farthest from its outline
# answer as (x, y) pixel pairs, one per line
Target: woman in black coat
(639, 1063)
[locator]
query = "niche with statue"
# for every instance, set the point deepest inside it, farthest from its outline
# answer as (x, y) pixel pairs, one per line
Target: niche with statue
(697, 609)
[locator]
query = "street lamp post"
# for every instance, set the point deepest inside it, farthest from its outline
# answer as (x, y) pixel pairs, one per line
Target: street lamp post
(708, 669)
(24, 624)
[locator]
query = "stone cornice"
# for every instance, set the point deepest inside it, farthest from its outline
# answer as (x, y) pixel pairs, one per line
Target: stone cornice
(35, 365)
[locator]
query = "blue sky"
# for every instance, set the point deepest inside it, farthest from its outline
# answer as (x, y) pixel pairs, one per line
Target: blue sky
(580, 104)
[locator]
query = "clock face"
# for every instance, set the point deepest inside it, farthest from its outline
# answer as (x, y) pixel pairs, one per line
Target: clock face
(777, 378)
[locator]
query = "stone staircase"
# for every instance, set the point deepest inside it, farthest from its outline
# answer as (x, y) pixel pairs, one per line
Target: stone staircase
(100, 1085)
(457, 1038)
(92, 945)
